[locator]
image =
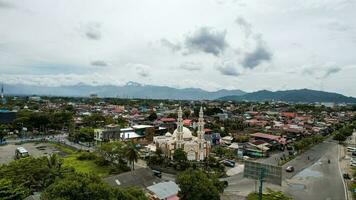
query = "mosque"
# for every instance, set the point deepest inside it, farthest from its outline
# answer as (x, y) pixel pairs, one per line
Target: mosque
(197, 148)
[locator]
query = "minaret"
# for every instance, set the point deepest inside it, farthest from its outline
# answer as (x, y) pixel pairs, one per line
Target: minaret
(203, 150)
(3, 100)
(2, 91)
(180, 128)
(200, 131)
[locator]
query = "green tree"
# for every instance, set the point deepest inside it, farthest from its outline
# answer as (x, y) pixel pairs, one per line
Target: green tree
(31, 173)
(339, 137)
(194, 184)
(84, 135)
(112, 154)
(152, 116)
(3, 132)
(11, 191)
(270, 195)
(78, 187)
(180, 155)
(131, 154)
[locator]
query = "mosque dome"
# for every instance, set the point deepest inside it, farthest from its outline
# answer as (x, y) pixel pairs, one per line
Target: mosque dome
(187, 134)
(168, 134)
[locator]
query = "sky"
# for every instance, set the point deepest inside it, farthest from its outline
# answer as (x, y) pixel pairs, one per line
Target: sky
(210, 44)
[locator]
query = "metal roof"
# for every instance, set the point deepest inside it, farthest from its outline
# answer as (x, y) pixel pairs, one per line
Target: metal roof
(164, 190)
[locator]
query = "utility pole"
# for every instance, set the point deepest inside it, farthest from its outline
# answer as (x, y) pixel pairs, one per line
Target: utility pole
(262, 173)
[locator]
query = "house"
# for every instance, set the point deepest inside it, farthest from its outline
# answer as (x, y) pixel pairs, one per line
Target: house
(141, 177)
(164, 191)
(110, 132)
(227, 140)
(275, 140)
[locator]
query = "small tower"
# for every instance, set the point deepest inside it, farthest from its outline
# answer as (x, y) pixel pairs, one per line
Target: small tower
(3, 100)
(201, 123)
(180, 128)
(2, 91)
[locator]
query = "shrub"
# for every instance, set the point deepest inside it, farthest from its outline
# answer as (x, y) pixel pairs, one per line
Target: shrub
(86, 156)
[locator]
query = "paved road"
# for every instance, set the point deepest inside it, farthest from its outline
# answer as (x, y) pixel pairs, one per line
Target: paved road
(312, 179)
(320, 180)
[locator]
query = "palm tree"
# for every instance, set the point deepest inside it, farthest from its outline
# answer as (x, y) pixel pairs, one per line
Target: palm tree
(131, 154)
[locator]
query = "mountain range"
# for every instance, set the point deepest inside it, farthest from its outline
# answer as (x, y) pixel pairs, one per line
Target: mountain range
(129, 90)
(137, 90)
(302, 95)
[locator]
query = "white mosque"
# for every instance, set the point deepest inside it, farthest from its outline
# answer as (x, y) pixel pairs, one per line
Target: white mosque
(197, 148)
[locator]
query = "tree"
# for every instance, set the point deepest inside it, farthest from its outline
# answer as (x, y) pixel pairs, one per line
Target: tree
(152, 116)
(339, 137)
(194, 184)
(112, 153)
(3, 132)
(131, 154)
(84, 135)
(270, 195)
(11, 191)
(31, 173)
(180, 155)
(78, 187)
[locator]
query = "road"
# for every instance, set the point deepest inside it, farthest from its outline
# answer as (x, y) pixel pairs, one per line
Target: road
(320, 180)
(61, 138)
(312, 179)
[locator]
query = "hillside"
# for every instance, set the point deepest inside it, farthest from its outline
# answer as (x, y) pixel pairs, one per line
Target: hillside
(302, 95)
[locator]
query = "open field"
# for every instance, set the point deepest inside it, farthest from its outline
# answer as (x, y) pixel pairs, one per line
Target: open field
(7, 153)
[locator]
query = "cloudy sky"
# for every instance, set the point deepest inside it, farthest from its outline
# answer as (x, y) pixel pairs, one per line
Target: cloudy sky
(210, 44)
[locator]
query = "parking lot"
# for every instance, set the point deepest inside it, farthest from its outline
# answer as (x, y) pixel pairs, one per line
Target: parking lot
(7, 152)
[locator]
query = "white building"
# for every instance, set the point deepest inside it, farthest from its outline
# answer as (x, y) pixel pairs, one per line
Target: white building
(197, 148)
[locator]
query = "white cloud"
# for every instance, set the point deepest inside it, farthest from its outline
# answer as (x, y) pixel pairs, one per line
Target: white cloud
(64, 42)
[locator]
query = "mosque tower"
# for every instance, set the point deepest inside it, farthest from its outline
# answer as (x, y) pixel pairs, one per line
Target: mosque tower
(180, 128)
(200, 131)
(3, 100)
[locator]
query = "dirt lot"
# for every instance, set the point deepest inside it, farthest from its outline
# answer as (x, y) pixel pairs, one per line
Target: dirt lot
(7, 152)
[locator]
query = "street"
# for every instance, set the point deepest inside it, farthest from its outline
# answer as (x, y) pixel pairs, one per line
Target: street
(312, 179)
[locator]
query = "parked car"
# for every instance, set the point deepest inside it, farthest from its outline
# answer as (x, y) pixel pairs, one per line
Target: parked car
(290, 169)
(228, 164)
(157, 173)
(353, 153)
(353, 164)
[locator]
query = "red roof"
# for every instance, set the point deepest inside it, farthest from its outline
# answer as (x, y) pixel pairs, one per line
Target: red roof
(207, 130)
(266, 136)
(288, 114)
(187, 122)
(168, 119)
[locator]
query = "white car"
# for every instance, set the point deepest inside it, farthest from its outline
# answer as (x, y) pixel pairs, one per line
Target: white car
(352, 164)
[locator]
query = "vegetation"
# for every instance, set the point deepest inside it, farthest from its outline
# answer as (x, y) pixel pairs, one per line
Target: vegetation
(270, 195)
(194, 184)
(113, 155)
(180, 157)
(306, 142)
(56, 181)
(131, 154)
(344, 132)
(88, 186)
(11, 191)
(83, 135)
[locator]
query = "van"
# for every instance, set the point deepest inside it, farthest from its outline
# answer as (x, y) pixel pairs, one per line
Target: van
(21, 152)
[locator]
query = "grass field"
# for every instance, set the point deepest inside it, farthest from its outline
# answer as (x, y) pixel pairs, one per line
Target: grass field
(81, 166)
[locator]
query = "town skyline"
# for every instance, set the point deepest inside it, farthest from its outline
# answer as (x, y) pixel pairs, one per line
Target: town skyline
(275, 45)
